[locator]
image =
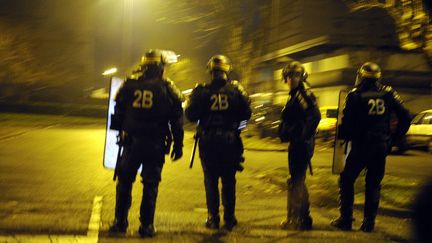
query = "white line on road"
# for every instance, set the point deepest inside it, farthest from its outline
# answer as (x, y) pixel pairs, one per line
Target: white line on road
(91, 237)
(95, 218)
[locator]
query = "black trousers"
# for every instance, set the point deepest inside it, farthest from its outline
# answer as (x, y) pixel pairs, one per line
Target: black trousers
(150, 154)
(299, 156)
(220, 157)
(363, 155)
(212, 173)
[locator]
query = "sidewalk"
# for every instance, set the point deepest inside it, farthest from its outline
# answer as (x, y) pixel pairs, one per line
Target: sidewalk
(264, 144)
(393, 221)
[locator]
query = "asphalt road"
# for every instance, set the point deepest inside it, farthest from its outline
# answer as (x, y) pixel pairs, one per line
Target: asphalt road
(52, 182)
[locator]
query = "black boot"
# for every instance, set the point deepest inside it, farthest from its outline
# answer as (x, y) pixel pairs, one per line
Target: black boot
(118, 227)
(292, 220)
(305, 223)
(342, 223)
(230, 223)
(368, 225)
(289, 224)
(147, 230)
(212, 222)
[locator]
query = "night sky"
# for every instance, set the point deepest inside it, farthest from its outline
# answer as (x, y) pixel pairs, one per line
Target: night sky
(90, 36)
(119, 34)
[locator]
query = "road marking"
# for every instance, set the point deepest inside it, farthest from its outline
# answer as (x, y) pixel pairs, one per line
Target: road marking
(95, 218)
(200, 210)
(91, 237)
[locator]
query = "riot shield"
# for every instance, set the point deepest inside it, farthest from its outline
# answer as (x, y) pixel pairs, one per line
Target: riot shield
(341, 147)
(111, 147)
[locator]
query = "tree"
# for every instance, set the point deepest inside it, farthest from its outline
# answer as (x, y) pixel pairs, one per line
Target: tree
(235, 28)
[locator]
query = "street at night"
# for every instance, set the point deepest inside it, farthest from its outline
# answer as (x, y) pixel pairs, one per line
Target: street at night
(327, 103)
(53, 185)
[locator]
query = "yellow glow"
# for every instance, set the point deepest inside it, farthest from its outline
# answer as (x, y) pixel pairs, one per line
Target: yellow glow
(109, 71)
(187, 91)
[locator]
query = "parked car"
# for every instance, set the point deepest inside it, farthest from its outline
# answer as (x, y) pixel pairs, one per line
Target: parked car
(420, 131)
(266, 119)
(327, 126)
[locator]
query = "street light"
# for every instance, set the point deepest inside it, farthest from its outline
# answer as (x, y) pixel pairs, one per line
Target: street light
(110, 71)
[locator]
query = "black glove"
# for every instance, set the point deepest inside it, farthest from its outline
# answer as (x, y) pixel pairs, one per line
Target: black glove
(177, 152)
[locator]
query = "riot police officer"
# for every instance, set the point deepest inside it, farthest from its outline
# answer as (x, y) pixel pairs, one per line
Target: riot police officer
(148, 111)
(366, 123)
(300, 118)
(219, 107)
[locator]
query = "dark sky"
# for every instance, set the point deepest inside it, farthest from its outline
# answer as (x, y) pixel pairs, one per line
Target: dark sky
(97, 34)
(113, 32)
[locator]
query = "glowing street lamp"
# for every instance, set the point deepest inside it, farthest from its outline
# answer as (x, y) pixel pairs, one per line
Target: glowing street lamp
(110, 71)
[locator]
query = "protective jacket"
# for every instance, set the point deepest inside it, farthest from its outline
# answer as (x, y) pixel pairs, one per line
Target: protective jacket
(300, 116)
(367, 114)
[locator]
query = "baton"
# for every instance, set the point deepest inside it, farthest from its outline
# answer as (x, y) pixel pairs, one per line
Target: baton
(118, 157)
(310, 168)
(193, 151)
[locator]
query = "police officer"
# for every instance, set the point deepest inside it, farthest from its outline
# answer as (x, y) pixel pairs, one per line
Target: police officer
(300, 118)
(148, 110)
(219, 107)
(366, 123)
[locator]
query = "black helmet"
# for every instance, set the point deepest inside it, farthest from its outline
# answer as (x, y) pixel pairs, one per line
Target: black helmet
(219, 62)
(294, 69)
(369, 72)
(153, 58)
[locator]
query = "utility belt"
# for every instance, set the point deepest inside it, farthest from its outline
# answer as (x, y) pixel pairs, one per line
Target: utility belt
(146, 129)
(220, 145)
(222, 134)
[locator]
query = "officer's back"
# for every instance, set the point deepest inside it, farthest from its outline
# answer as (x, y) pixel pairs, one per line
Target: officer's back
(147, 104)
(369, 108)
(147, 112)
(220, 104)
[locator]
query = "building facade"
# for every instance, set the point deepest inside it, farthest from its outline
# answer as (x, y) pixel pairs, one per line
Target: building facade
(332, 38)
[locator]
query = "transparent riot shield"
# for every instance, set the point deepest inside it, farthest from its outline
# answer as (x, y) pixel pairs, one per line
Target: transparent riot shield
(111, 147)
(341, 147)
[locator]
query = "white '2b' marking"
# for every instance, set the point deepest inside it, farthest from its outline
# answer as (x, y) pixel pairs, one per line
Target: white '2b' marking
(143, 99)
(377, 107)
(219, 102)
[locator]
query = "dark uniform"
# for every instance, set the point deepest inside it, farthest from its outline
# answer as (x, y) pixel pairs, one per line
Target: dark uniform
(300, 118)
(147, 111)
(366, 123)
(422, 213)
(219, 107)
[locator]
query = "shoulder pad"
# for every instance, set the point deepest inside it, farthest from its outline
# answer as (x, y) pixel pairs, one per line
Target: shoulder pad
(200, 85)
(199, 89)
(393, 93)
(169, 81)
(388, 88)
(309, 93)
(173, 88)
(238, 86)
(309, 98)
(235, 82)
(134, 76)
